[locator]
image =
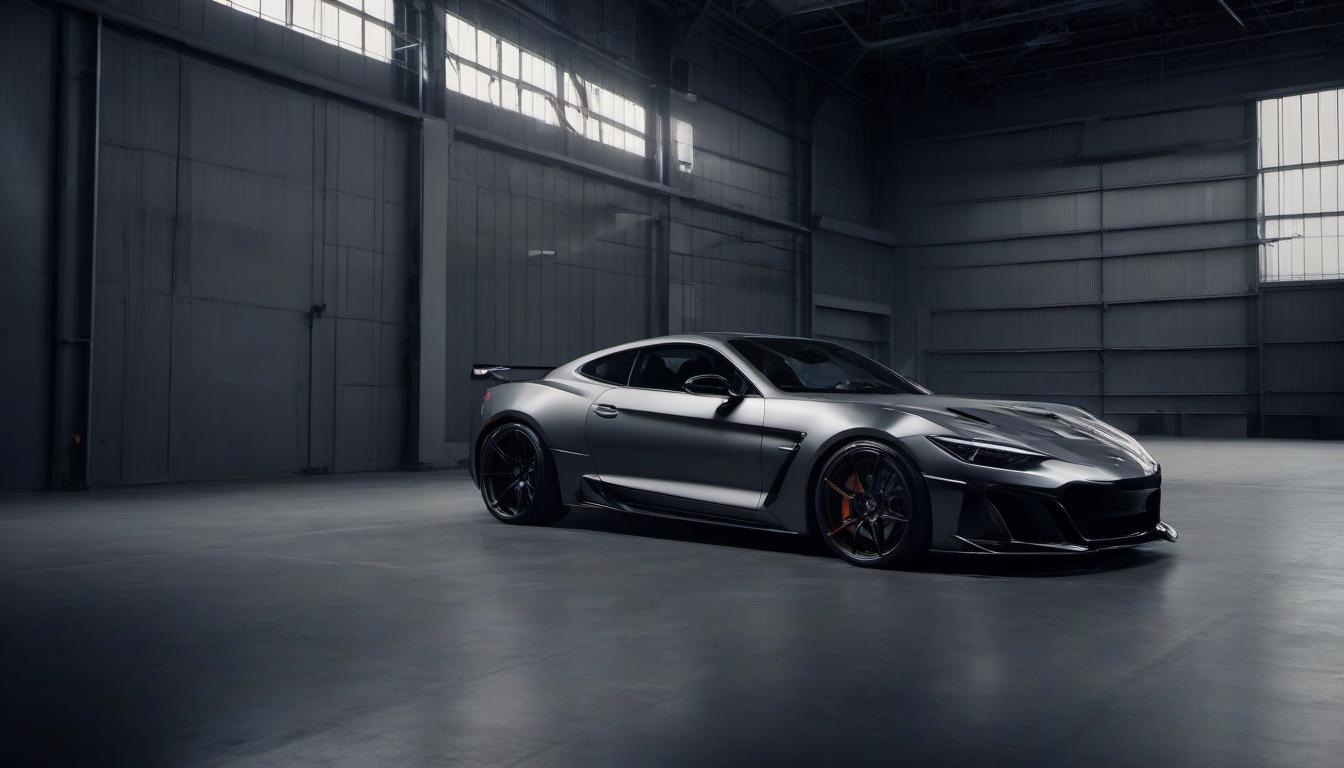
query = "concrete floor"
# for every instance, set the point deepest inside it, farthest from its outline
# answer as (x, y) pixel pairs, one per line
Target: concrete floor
(383, 620)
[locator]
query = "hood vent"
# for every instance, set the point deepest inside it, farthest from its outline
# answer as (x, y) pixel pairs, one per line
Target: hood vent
(967, 415)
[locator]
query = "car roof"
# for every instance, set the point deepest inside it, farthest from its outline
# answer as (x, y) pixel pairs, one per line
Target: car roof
(723, 336)
(717, 338)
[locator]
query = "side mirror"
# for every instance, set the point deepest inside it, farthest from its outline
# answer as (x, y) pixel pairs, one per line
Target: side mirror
(711, 385)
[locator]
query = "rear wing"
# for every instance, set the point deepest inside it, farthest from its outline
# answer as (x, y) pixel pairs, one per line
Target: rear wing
(500, 373)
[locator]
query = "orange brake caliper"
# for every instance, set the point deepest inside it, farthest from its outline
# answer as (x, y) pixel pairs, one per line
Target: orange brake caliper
(852, 485)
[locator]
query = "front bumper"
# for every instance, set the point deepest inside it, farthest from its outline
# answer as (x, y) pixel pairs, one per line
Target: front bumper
(1081, 516)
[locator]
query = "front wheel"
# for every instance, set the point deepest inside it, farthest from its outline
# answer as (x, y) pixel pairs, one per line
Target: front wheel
(518, 481)
(870, 506)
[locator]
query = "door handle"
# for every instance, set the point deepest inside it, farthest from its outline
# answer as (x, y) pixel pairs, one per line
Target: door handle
(606, 411)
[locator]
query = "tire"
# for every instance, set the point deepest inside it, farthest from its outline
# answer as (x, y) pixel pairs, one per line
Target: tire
(871, 507)
(517, 477)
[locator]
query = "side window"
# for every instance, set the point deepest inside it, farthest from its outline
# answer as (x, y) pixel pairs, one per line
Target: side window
(612, 369)
(669, 367)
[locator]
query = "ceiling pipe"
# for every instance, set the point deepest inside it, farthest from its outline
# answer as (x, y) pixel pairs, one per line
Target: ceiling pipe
(1232, 13)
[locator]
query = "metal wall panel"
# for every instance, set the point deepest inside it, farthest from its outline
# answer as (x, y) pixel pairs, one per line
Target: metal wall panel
(933, 186)
(1021, 148)
(1221, 322)
(1166, 132)
(1066, 247)
(1302, 373)
(549, 264)
(1216, 200)
(738, 162)
(1213, 162)
(1122, 233)
(1180, 373)
(723, 76)
(1014, 285)
(856, 269)
(1304, 313)
(863, 332)
(28, 35)
(1060, 377)
(1178, 274)
(252, 312)
(1053, 328)
(729, 274)
(842, 144)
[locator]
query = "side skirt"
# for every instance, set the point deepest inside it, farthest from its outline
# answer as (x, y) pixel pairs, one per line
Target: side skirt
(683, 517)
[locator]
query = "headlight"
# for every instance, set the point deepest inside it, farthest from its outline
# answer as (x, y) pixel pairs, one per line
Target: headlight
(986, 454)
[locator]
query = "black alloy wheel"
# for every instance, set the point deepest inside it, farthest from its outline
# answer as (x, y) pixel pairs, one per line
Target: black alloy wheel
(516, 477)
(869, 509)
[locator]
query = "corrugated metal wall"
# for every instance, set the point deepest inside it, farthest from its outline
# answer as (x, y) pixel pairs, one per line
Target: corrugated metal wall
(844, 184)
(253, 268)
(1108, 263)
(858, 264)
(550, 258)
(27, 198)
(253, 39)
(257, 256)
(546, 265)
(1302, 360)
(730, 274)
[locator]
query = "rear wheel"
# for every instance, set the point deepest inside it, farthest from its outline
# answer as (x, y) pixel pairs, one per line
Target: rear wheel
(517, 478)
(870, 505)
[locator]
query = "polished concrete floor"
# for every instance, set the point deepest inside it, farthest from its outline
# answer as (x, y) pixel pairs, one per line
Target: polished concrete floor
(385, 620)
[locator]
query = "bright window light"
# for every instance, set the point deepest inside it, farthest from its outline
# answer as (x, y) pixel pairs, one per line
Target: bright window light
(1301, 162)
(484, 67)
(604, 115)
(683, 134)
(362, 26)
(488, 68)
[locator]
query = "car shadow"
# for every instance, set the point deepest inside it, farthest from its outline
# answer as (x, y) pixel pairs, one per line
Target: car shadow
(689, 531)
(973, 565)
(1041, 566)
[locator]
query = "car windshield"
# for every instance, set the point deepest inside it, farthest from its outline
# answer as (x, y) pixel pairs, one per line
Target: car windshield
(804, 365)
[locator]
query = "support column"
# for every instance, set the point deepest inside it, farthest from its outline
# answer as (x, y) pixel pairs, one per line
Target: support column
(74, 259)
(662, 162)
(431, 438)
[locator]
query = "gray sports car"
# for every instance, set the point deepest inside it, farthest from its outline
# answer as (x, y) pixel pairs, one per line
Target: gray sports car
(808, 437)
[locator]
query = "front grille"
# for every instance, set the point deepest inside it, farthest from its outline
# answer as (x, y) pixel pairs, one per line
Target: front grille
(1027, 515)
(1113, 510)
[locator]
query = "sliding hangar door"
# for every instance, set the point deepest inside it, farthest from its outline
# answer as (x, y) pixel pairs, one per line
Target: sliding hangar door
(253, 276)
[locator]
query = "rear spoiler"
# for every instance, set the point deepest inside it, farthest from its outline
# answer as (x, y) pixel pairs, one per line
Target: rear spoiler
(497, 373)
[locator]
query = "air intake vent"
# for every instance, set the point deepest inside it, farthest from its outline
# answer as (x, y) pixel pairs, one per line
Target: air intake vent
(966, 415)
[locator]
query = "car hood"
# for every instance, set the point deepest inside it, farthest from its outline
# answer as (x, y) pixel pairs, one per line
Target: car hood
(1060, 431)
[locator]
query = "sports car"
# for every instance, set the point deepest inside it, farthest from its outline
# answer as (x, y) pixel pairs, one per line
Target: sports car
(808, 437)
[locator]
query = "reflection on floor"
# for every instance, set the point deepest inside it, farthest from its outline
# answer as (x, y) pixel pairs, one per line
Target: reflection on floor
(388, 620)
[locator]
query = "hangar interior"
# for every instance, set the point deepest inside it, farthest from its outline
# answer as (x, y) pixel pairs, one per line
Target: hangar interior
(260, 239)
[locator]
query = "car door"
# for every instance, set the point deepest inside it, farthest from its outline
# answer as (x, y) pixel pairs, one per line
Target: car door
(658, 447)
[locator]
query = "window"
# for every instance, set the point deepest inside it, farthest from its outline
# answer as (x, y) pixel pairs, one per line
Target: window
(612, 369)
(491, 69)
(604, 115)
(362, 26)
(669, 367)
(800, 365)
(684, 136)
(1301, 161)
